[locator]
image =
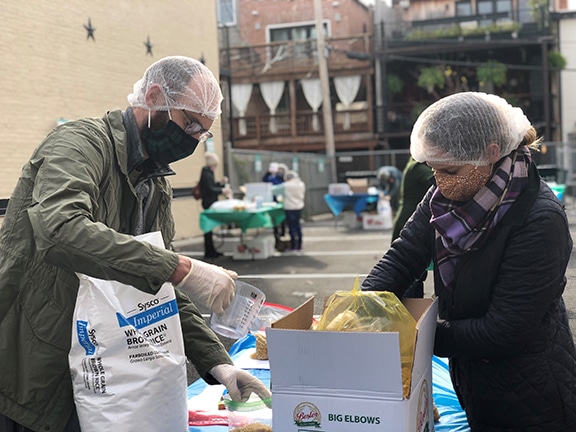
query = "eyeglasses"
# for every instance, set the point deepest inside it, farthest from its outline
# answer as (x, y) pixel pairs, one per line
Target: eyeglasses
(193, 128)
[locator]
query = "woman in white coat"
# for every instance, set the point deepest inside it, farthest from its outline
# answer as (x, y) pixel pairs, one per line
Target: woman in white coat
(294, 193)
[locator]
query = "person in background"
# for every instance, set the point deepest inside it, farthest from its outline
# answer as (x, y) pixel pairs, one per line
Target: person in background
(500, 242)
(87, 190)
(388, 182)
(211, 189)
(281, 173)
(272, 175)
(417, 178)
(275, 175)
(293, 190)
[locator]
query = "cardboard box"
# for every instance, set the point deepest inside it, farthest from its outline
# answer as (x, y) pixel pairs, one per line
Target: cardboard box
(338, 189)
(346, 381)
(376, 222)
(358, 185)
(260, 247)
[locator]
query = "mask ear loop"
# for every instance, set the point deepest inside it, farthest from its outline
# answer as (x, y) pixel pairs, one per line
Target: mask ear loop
(149, 115)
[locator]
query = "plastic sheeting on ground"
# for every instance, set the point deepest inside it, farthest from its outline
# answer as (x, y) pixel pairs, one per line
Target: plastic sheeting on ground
(452, 417)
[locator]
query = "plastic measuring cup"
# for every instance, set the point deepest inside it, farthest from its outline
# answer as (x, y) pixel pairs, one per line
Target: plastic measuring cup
(235, 322)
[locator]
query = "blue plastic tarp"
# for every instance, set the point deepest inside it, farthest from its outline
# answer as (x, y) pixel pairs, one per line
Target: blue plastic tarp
(452, 417)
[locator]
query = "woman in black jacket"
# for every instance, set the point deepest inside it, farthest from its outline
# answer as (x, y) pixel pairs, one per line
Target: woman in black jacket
(500, 243)
(210, 190)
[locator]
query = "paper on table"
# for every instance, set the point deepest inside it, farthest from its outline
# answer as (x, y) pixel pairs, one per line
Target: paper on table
(245, 361)
(207, 400)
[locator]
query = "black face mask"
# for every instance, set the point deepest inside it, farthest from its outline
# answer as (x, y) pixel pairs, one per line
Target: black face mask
(169, 144)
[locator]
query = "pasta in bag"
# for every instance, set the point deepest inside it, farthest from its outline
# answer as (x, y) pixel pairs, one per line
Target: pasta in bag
(127, 357)
(373, 311)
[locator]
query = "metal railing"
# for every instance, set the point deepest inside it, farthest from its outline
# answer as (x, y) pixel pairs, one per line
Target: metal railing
(246, 166)
(306, 123)
(246, 61)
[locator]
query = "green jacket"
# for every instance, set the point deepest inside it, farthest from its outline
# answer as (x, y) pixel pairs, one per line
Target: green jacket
(417, 178)
(74, 210)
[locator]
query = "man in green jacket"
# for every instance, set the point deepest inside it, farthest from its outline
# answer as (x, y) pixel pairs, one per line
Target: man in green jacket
(88, 189)
(417, 178)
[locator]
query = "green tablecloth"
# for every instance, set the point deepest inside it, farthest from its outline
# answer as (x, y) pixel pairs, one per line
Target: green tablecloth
(265, 217)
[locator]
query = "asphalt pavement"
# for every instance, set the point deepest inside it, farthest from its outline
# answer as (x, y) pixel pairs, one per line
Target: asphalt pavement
(335, 252)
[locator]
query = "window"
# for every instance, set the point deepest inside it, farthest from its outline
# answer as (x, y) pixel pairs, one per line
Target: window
(296, 33)
(226, 10)
(303, 35)
(486, 7)
(524, 11)
(463, 8)
(505, 6)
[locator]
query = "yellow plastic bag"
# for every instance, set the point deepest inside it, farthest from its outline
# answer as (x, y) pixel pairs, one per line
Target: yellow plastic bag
(373, 311)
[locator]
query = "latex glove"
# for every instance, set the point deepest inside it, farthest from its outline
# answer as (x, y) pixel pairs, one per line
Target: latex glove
(209, 285)
(240, 384)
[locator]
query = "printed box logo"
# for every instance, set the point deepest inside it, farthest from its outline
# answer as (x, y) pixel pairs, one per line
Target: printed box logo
(423, 421)
(307, 414)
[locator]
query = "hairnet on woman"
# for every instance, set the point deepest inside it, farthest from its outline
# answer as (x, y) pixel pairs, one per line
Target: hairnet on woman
(500, 244)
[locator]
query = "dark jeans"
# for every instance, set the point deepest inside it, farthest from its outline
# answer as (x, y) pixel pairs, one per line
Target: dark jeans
(279, 230)
(9, 425)
(294, 228)
(209, 250)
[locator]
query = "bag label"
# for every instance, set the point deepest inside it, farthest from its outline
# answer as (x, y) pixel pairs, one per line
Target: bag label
(86, 338)
(157, 336)
(94, 374)
(150, 316)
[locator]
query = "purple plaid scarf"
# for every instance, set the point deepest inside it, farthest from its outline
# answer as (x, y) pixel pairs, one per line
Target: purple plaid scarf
(459, 227)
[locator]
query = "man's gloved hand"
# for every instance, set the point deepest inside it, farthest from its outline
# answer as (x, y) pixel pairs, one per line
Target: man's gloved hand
(240, 384)
(209, 285)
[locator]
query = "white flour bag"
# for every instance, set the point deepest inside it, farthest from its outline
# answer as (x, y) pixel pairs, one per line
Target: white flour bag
(127, 357)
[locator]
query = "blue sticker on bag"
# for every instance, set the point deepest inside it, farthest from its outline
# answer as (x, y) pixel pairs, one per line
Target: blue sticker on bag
(87, 339)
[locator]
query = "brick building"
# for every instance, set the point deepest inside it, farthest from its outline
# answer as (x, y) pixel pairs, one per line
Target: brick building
(52, 70)
(269, 55)
(501, 46)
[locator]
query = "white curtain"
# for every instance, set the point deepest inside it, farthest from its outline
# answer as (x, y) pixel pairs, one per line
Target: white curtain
(298, 42)
(272, 93)
(347, 89)
(240, 97)
(313, 94)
